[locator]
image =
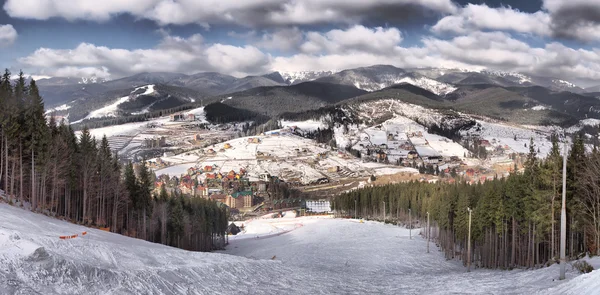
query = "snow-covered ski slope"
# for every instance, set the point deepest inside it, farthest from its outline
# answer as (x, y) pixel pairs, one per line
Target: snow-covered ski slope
(306, 255)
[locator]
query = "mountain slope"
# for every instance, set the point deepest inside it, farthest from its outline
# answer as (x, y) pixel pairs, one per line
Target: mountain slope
(139, 100)
(275, 100)
(381, 76)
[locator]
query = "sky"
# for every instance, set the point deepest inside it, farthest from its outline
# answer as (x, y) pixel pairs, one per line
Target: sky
(113, 38)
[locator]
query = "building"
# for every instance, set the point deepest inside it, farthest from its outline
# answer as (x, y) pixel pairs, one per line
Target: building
(218, 197)
(177, 117)
(333, 169)
(239, 200)
(190, 117)
(156, 142)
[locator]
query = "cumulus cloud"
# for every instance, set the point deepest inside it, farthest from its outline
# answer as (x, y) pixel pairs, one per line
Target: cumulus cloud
(566, 19)
(336, 49)
(474, 17)
(247, 12)
(355, 39)
(574, 19)
(173, 54)
(476, 50)
(8, 35)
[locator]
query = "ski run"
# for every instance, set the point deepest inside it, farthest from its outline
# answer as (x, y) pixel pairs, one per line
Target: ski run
(288, 255)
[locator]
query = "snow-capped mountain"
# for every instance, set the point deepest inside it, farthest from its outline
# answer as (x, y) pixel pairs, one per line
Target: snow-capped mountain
(378, 77)
(304, 76)
(434, 86)
(519, 78)
(91, 80)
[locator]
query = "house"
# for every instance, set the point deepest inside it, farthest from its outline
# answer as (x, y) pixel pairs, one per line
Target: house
(470, 172)
(190, 117)
(412, 155)
(201, 191)
(197, 137)
(177, 117)
(485, 143)
(254, 140)
(227, 146)
(208, 168)
(333, 169)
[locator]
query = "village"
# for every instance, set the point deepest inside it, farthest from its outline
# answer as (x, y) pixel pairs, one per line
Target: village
(192, 157)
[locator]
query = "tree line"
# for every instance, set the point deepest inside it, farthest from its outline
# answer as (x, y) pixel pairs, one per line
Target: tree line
(45, 167)
(515, 220)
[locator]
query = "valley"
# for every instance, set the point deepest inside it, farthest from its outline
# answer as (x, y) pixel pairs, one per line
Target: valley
(327, 136)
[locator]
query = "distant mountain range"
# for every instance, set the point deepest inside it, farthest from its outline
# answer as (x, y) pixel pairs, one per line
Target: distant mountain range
(504, 95)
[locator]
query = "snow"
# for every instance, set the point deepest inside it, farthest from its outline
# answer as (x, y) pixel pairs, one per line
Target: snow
(303, 76)
(199, 113)
(109, 110)
(434, 86)
(504, 134)
(564, 83)
(63, 107)
(585, 122)
(539, 108)
(349, 257)
(129, 129)
(308, 125)
(305, 255)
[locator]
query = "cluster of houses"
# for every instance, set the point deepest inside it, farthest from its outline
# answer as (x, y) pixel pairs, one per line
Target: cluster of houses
(233, 188)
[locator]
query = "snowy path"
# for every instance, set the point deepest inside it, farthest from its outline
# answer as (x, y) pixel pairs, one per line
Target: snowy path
(371, 258)
(323, 256)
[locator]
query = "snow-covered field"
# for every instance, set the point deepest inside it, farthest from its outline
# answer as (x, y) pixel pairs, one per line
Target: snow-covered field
(371, 258)
(306, 255)
(290, 157)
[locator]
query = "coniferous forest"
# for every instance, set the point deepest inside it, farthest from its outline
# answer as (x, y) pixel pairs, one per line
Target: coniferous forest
(45, 167)
(515, 220)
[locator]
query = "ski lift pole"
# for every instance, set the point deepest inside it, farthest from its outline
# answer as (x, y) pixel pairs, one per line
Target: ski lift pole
(409, 225)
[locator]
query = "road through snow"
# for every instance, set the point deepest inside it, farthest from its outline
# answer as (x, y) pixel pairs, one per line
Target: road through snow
(323, 256)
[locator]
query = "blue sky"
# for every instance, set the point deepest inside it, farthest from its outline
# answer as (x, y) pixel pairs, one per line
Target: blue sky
(114, 38)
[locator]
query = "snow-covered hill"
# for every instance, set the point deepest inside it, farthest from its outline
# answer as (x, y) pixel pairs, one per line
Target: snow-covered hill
(434, 86)
(306, 255)
(303, 76)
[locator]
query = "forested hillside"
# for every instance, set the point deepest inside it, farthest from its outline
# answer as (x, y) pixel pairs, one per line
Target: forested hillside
(46, 168)
(516, 220)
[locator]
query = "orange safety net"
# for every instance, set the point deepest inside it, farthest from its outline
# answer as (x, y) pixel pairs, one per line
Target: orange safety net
(72, 236)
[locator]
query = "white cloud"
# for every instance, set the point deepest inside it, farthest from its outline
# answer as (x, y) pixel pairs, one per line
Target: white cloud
(206, 12)
(355, 39)
(356, 46)
(570, 19)
(173, 54)
(8, 35)
(475, 17)
(477, 50)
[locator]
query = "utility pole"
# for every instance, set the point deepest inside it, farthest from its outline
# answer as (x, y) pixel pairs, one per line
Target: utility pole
(469, 243)
(428, 232)
(383, 211)
(409, 225)
(563, 217)
(355, 209)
